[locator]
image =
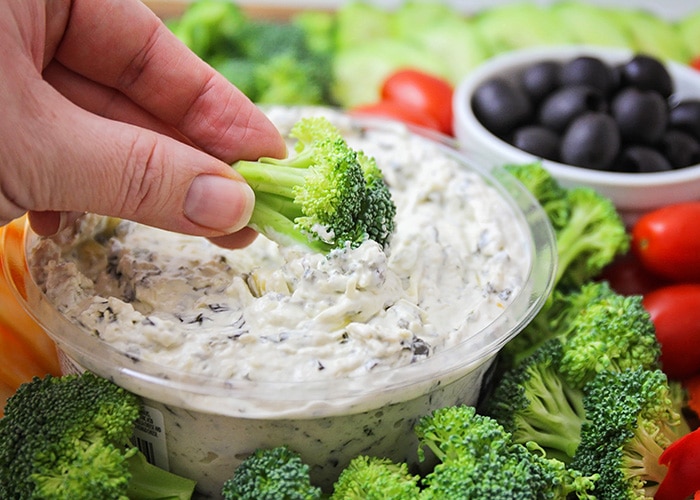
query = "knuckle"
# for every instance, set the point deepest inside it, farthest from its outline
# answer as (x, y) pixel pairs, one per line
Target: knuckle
(144, 181)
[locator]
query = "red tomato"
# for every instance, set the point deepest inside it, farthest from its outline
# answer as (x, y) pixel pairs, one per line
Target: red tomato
(397, 111)
(627, 276)
(667, 241)
(675, 312)
(421, 91)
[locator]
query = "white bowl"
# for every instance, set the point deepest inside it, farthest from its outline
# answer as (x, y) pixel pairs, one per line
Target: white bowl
(632, 193)
(206, 425)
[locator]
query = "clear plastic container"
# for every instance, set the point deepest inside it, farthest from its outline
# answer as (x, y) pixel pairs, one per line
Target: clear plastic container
(202, 427)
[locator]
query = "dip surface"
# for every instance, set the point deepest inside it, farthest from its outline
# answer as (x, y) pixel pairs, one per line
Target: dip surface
(458, 257)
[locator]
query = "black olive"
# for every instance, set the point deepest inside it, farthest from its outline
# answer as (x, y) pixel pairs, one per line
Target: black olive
(686, 116)
(647, 73)
(540, 79)
(565, 104)
(680, 148)
(587, 70)
(537, 140)
(641, 159)
(501, 105)
(591, 141)
(642, 115)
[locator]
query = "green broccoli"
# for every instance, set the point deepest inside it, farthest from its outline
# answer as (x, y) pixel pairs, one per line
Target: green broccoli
(325, 196)
(454, 431)
(68, 438)
(210, 27)
(589, 231)
(555, 318)
(518, 473)
(271, 474)
(546, 190)
(375, 478)
(593, 236)
(479, 460)
(612, 333)
(284, 79)
(539, 397)
(535, 404)
(270, 62)
(287, 69)
(633, 416)
(319, 28)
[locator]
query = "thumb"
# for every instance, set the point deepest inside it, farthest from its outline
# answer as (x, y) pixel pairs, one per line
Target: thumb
(85, 163)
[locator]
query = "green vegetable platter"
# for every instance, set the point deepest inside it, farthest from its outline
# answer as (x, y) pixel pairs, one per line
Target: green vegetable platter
(579, 406)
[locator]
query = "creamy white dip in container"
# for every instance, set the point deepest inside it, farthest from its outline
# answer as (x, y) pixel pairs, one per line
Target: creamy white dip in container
(334, 355)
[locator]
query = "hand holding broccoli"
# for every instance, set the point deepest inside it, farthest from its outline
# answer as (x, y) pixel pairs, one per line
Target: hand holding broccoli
(324, 195)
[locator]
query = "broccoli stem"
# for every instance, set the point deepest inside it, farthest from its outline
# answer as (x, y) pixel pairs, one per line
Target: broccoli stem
(266, 216)
(553, 422)
(150, 482)
(571, 244)
(274, 178)
(326, 195)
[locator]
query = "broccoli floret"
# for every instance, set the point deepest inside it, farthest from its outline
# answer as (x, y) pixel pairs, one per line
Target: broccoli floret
(324, 196)
(68, 437)
(555, 318)
(271, 474)
(378, 210)
(287, 70)
(518, 473)
(539, 398)
(319, 28)
(284, 79)
(612, 333)
(589, 231)
(633, 417)
(210, 28)
(599, 328)
(480, 460)
(270, 62)
(593, 235)
(459, 430)
(375, 478)
(260, 40)
(546, 190)
(535, 404)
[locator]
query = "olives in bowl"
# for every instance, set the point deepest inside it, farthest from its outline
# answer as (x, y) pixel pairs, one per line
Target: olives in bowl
(624, 123)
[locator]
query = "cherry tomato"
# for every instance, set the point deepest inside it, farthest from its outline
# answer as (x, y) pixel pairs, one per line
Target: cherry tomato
(675, 312)
(421, 91)
(397, 111)
(627, 276)
(667, 241)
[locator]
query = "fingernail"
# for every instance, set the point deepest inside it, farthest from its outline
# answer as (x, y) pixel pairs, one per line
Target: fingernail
(219, 203)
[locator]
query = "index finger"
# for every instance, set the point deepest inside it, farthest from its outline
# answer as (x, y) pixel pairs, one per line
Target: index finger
(124, 45)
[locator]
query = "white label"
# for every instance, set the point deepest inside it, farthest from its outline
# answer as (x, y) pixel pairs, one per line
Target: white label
(149, 437)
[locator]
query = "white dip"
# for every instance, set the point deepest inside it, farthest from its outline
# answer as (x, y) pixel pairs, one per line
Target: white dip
(458, 257)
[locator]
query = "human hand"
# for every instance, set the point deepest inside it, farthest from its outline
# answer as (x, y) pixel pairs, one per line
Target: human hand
(105, 111)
